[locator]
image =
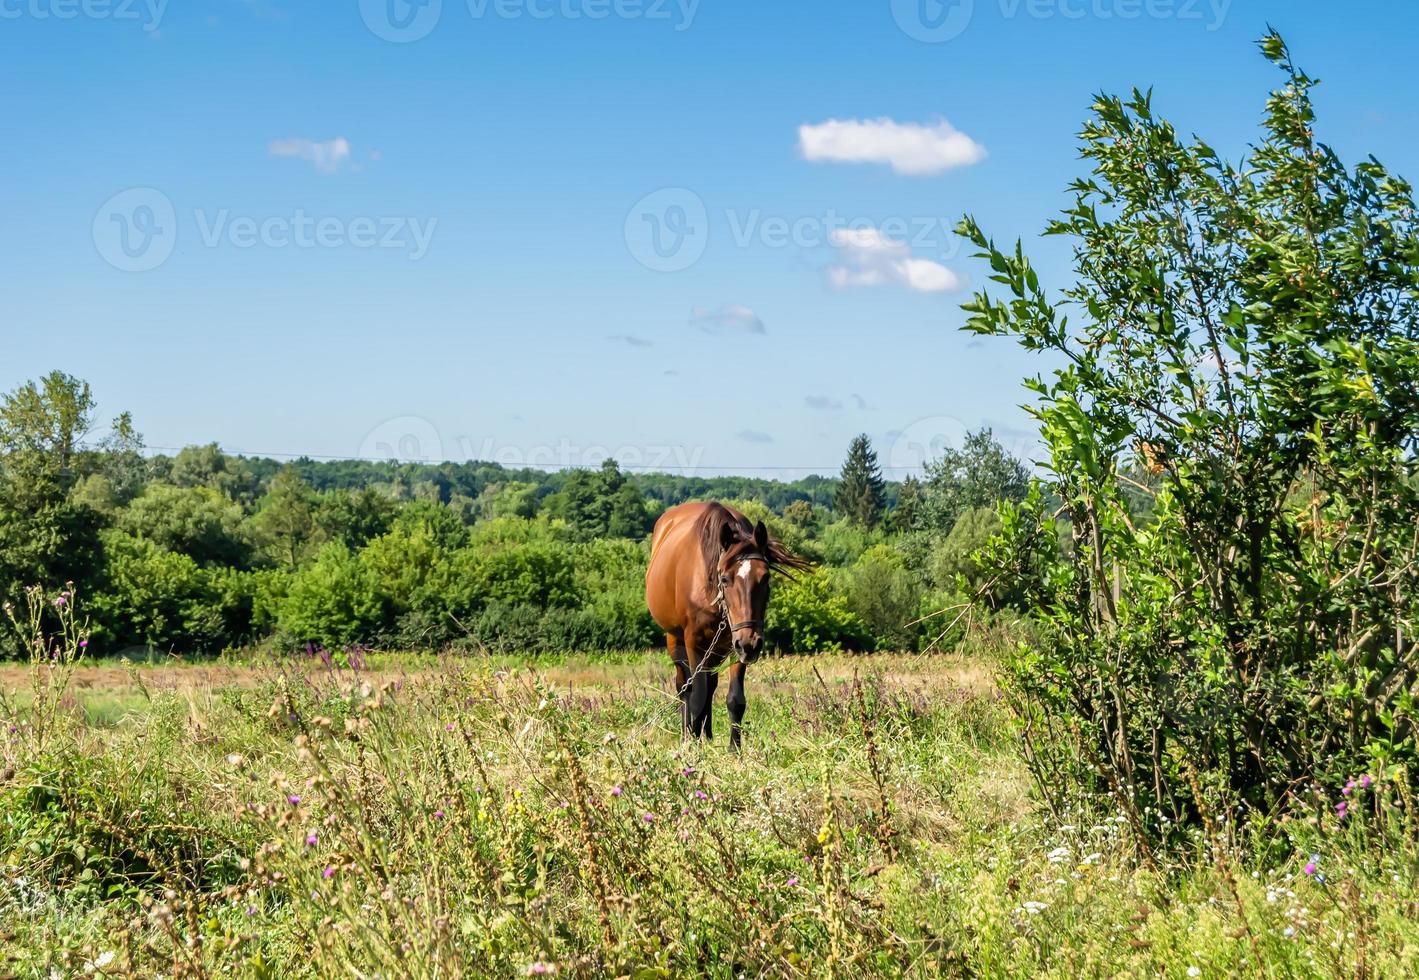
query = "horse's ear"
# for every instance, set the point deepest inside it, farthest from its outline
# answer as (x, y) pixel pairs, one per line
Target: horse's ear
(727, 534)
(761, 537)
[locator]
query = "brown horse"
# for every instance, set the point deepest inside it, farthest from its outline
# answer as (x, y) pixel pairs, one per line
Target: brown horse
(708, 588)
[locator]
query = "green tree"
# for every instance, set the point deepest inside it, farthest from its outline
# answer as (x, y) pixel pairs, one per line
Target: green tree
(601, 503)
(1250, 333)
(285, 519)
(208, 466)
(861, 493)
(195, 521)
(47, 537)
(979, 474)
(354, 516)
(907, 513)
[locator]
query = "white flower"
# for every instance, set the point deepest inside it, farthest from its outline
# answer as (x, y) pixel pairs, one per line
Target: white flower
(1193, 971)
(1034, 908)
(105, 958)
(1057, 855)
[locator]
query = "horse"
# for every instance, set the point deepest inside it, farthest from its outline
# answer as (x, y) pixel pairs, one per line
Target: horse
(707, 587)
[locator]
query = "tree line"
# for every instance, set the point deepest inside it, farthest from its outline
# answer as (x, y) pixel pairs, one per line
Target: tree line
(204, 551)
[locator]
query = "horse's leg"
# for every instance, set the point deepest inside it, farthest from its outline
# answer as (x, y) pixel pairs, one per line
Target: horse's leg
(712, 678)
(736, 702)
(700, 674)
(680, 655)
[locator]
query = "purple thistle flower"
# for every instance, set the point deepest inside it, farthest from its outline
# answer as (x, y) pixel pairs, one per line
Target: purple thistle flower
(438, 814)
(84, 644)
(450, 727)
(293, 800)
(649, 818)
(311, 839)
(1310, 868)
(688, 771)
(1365, 782)
(1349, 788)
(616, 791)
(792, 882)
(329, 872)
(1340, 809)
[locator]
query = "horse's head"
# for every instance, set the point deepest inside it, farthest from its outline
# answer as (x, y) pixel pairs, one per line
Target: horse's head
(743, 584)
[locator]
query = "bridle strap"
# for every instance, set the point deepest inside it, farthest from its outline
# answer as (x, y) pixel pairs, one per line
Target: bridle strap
(757, 624)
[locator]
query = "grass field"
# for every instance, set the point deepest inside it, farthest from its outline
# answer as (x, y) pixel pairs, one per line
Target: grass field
(442, 817)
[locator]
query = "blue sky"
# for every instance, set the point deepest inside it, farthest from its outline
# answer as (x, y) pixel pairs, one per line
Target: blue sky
(443, 246)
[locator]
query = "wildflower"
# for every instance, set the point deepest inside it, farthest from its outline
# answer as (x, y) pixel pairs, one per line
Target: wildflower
(293, 800)
(616, 791)
(450, 727)
(701, 795)
(251, 910)
(329, 872)
(311, 839)
(1310, 868)
(1365, 782)
(438, 814)
(1340, 809)
(540, 968)
(688, 771)
(104, 959)
(1349, 788)
(59, 601)
(1193, 971)
(1289, 931)
(649, 818)
(791, 882)
(83, 644)
(1034, 908)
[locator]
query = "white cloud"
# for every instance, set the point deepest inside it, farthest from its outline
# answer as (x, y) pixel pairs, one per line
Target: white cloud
(911, 148)
(328, 156)
(870, 258)
(726, 319)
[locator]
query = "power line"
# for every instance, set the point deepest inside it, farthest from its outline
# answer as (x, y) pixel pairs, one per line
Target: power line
(550, 467)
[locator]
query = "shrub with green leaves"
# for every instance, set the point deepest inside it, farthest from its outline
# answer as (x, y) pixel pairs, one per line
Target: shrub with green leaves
(1248, 334)
(807, 615)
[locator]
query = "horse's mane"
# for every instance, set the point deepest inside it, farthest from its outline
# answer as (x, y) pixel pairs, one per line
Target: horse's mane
(712, 524)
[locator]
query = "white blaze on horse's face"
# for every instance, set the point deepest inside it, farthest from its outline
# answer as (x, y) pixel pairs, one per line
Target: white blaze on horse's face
(746, 568)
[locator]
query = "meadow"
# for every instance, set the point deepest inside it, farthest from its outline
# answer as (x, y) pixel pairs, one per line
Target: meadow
(416, 815)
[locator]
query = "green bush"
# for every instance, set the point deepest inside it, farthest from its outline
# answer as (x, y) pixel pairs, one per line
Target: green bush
(1250, 343)
(807, 616)
(335, 601)
(152, 597)
(884, 594)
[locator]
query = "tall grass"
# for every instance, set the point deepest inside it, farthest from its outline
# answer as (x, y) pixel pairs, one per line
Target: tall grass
(464, 818)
